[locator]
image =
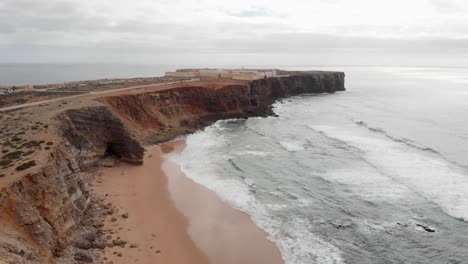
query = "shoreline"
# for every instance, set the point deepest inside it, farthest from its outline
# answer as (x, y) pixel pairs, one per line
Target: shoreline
(172, 219)
(146, 219)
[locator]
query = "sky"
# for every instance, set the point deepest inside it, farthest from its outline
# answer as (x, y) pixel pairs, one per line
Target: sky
(294, 32)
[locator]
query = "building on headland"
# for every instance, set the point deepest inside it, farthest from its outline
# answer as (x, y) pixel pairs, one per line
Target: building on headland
(7, 91)
(234, 74)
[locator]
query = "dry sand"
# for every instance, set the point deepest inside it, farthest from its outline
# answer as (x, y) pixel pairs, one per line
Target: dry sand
(171, 219)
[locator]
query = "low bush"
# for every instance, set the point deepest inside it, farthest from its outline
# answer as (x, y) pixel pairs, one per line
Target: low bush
(5, 162)
(13, 155)
(26, 165)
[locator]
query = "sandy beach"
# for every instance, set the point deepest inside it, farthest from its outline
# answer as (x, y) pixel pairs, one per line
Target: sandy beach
(167, 218)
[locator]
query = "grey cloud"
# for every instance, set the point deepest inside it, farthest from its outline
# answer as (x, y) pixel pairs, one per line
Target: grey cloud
(304, 42)
(447, 6)
(252, 12)
(52, 16)
(6, 28)
(61, 30)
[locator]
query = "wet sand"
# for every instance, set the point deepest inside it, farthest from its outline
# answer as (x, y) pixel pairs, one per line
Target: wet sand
(171, 219)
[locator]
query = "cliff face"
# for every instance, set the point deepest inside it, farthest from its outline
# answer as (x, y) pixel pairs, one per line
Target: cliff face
(96, 132)
(160, 116)
(42, 211)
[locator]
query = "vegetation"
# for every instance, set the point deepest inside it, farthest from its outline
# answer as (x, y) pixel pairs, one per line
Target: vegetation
(28, 153)
(5, 162)
(26, 165)
(13, 155)
(32, 143)
(10, 157)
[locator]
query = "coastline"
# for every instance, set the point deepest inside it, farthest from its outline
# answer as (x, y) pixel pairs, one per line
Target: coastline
(172, 219)
(64, 143)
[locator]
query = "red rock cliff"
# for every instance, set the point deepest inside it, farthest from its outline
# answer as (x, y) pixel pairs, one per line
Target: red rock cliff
(159, 116)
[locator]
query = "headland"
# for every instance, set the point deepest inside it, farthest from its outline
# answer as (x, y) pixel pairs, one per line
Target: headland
(57, 204)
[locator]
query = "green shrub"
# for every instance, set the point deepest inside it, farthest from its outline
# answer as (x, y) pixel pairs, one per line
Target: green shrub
(5, 162)
(50, 143)
(32, 143)
(26, 165)
(28, 153)
(13, 155)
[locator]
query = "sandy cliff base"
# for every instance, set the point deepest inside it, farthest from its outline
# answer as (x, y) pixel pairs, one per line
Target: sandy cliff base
(176, 221)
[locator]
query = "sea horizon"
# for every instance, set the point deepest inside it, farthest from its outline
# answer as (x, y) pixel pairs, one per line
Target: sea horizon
(23, 74)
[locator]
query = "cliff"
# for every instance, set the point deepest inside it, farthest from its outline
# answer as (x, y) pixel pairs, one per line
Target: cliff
(159, 116)
(42, 211)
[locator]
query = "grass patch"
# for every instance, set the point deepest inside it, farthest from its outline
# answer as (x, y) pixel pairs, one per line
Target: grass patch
(5, 162)
(26, 165)
(28, 153)
(13, 155)
(32, 143)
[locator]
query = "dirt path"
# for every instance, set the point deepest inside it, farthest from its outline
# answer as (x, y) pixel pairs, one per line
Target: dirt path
(89, 94)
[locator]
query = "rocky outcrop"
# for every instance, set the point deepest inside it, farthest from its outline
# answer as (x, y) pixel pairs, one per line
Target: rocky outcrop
(97, 132)
(41, 211)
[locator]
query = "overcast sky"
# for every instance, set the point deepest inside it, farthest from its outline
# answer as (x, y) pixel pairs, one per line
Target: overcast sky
(233, 32)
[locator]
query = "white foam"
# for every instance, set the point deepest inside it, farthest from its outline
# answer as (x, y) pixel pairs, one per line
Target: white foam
(368, 183)
(252, 153)
(423, 172)
(207, 149)
(292, 145)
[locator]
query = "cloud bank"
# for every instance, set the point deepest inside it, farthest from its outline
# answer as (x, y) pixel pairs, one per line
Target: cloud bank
(224, 32)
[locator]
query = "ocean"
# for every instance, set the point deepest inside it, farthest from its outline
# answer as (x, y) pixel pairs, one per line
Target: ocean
(375, 174)
(33, 74)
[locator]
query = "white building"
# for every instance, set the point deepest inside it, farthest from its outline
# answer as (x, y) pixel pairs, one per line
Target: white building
(7, 91)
